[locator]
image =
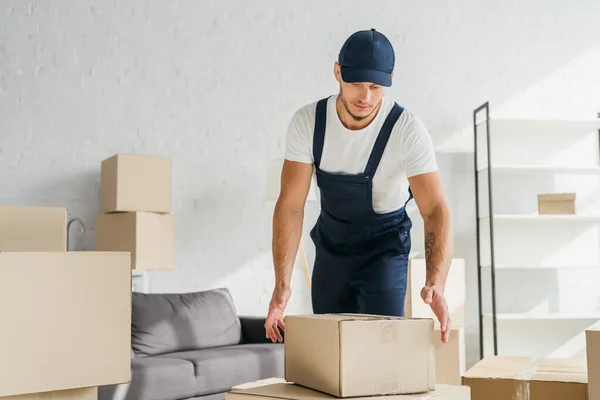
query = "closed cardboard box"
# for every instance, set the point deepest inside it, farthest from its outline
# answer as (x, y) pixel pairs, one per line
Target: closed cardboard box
(290, 391)
(71, 394)
(592, 339)
(135, 182)
(556, 203)
(66, 320)
(455, 292)
(33, 228)
(527, 378)
(349, 355)
(149, 237)
(450, 358)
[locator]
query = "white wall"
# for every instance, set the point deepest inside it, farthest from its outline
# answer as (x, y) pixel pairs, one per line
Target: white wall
(213, 84)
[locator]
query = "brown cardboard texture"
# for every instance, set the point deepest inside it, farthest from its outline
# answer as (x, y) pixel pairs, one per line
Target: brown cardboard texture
(349, 355)
(450, 358)
(70, 394)
(33, 228)
(455, 292)
(556, 203)
(527, 378)
(291, 391)
(66, 320)
(149, 237)
(592, 339)
(135, 182)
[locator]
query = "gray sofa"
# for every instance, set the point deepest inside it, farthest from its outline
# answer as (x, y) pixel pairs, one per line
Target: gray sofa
(193, 346)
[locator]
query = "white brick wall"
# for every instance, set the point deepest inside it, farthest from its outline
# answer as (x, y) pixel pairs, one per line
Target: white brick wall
(213, 84)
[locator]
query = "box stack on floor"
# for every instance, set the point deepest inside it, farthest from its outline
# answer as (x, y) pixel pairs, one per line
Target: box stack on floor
(135, 193)
(350, 356)
(65, 315)
(450, 358)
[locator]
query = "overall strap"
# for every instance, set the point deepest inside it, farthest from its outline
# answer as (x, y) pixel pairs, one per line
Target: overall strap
(410, 197)
(382, 140)
(319, 136)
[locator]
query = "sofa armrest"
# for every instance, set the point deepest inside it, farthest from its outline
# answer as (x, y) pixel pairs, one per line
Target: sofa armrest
(253, 329)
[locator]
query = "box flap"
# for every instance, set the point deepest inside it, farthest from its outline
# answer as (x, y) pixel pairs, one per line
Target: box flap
(556, 196)
(561, 370)
(502, 367)
(530, 369)
(290, 391)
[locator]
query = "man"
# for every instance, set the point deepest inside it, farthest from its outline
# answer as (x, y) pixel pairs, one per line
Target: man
(362, 148)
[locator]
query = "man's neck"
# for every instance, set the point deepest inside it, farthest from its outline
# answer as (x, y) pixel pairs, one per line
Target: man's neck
(348, 120)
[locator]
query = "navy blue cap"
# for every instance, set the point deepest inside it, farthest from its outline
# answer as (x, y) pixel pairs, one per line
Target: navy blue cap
(367, 56)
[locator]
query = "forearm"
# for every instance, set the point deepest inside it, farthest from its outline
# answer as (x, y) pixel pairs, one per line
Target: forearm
(287, 230)
(438, 246)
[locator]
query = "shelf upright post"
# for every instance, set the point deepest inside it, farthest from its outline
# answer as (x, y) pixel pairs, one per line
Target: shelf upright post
(485, 107)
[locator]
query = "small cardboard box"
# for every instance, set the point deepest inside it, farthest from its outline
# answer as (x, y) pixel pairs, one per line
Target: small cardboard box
(33, 228)
(450, 358)
(135, 182)
(556, 203)
(66, 320)
(291, 391)
(348, 355)
(455, 292)
(149, 237)
(527, 378)
(592, 341)
(69, 394)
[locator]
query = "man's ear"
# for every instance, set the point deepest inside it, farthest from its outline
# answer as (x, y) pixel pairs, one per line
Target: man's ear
(337, 72)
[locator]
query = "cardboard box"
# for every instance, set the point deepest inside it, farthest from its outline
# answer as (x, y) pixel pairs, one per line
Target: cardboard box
(455, 292)
(556, 203)
(66, 320)
(291, 391)
(450, 358)
(33, 228)
(527, 378)
(135, 182)
(592, 342)
(71, 394)
(360, 355)
(149, 237)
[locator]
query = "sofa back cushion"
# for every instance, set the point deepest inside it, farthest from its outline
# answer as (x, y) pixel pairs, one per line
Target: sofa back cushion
(169, 322)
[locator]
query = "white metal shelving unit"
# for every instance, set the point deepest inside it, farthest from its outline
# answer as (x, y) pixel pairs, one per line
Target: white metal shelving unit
(540, 273)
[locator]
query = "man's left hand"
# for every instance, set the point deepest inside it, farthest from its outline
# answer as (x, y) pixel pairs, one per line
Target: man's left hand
(433, 296)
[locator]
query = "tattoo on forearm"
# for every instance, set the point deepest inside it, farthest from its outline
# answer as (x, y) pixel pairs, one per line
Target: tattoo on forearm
(429, 243)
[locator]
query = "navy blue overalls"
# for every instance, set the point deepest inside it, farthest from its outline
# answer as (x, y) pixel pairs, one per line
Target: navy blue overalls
(361, 259)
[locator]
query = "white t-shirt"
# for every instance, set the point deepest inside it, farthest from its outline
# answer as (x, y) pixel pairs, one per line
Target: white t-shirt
(408, 152)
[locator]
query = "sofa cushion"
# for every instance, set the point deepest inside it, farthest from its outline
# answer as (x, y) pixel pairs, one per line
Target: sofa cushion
(219, 369)
(161, 379)
(169, 322)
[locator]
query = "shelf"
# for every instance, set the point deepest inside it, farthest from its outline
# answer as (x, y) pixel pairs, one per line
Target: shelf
(547, 317)
(137, 272)
(544, 218)
(543, 169)
(541, 267)
(539, 126)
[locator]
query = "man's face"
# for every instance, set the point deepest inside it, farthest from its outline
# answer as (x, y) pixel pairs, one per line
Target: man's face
(360, 99)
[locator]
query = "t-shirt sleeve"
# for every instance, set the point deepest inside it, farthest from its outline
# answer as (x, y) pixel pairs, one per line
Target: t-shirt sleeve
(416, 149)
(299, 138)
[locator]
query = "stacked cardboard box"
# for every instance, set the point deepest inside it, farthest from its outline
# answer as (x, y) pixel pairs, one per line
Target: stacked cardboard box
(33, 228)
(135, 193)
(450, 357)
(528, 378)
(592, 339)
(65, 315)
(351, 356)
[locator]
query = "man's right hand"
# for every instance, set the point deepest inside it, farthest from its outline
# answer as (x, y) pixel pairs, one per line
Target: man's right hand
(274, 320)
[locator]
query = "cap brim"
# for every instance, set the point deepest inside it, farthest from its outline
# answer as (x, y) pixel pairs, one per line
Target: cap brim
(353, 75)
